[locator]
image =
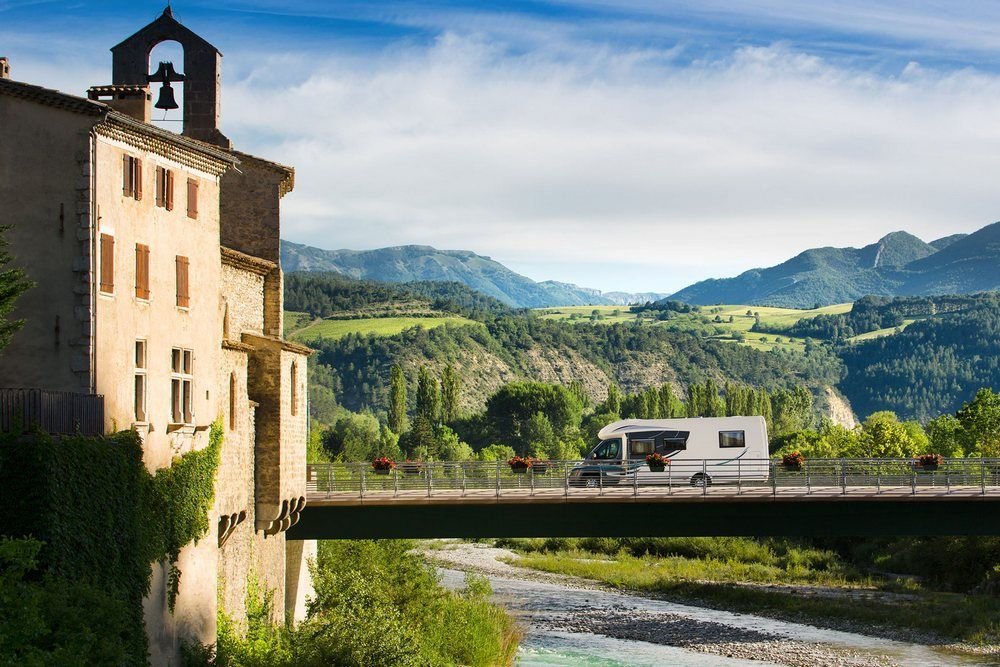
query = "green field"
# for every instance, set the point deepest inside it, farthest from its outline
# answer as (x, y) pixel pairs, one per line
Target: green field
(380, 326)
(704, 323)
(878, 333)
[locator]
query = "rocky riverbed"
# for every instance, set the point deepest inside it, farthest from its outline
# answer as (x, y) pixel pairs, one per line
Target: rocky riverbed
(553, 606)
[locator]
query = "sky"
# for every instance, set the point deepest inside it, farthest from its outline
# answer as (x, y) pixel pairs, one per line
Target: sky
(634, 145)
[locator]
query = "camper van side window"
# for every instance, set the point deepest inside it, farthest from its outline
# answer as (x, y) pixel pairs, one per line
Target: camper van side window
(732, 439)
(674, 441)
(609, 449)
(640, 448)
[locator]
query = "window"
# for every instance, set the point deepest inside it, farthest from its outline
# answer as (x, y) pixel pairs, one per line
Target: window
(608, 449)
(183, 296)
(165, 188)
(141, 271)
(132, 177)
(140, 381)
(640, 448)
(181, 381)
(192, 198)
(295, 389)
(733, 439)
(107, 264)
(233, 388)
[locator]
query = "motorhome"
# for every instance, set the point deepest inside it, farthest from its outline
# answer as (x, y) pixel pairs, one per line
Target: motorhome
(701, 451)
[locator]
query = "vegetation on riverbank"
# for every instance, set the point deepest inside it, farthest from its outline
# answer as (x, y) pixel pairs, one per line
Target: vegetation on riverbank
(730, 573)
(376, 604)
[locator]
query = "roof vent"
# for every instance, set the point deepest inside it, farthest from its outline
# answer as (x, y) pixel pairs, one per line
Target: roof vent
(4, 68)
(130, 100)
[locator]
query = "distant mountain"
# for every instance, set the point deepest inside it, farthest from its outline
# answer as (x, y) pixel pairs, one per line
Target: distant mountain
(898, 264)
(416, 263)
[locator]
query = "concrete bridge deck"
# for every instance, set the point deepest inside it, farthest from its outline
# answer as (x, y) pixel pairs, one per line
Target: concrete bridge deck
(830, 498)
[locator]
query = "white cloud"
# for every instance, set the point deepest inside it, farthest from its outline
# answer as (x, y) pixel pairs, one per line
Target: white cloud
(618, 156)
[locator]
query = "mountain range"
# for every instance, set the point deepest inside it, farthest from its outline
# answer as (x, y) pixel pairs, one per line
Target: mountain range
(416, 262)
(898, 264)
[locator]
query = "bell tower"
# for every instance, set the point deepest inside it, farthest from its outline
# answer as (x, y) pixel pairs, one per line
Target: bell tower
(201, 76)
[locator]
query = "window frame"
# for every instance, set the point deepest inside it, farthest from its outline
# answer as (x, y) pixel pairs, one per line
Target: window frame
(181, 386)
(140, 396)
(192, 198)
(182, 278)
(131, 177)
(142, 272)
(106, 277)
(742, 437)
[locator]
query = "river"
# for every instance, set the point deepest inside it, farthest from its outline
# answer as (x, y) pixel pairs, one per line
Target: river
(567, 624)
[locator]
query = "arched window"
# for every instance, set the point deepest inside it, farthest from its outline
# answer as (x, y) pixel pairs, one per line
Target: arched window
(233, 390)
(295, 388)
(172, 52)
(225, 320)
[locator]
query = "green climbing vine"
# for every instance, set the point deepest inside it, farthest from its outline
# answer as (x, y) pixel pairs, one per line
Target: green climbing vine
(102, 519)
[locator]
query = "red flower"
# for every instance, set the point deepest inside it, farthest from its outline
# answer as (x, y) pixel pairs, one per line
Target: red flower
(383, 463)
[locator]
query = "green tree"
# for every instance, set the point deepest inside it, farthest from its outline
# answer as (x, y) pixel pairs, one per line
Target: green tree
(354, 437)
(947, 437)
(614, 402)
(13, 283)
(428, 396)
(792, 410)
(510, 408)
(450, 448)
(540, 436)
(420, 442)
(451, 389)
(397, 399)
(883, 436)
(980, 419)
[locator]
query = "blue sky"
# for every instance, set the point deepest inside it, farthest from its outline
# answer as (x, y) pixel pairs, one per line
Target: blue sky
(633, 144)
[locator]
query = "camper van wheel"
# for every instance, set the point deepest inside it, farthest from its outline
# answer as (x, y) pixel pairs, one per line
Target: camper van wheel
(701, 480)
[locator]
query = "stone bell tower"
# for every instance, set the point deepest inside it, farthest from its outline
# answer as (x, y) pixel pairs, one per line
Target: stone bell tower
(201, 77)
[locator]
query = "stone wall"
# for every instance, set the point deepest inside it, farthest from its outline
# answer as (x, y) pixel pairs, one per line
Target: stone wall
(243, 296)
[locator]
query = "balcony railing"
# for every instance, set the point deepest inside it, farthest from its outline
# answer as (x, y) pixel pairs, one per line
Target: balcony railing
(58, 412)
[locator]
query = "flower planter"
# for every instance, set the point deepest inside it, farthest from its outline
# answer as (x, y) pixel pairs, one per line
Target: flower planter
(519, 470)
(381, 471)
(656, 468)
(412, 468)
(539, 469)
(928, 467)
(792, 467)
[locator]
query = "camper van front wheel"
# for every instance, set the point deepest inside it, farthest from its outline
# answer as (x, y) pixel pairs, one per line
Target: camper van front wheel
(700, 480)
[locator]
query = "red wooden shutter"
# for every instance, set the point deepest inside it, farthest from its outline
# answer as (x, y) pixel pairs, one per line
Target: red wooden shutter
(126, 176)
(192, 198)
(183, 296)
(161, 186)
(141, 271)
(107, 263)
(170, 190)
(138, 179)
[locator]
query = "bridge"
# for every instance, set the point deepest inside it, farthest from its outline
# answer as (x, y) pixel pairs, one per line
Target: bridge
(835, 497)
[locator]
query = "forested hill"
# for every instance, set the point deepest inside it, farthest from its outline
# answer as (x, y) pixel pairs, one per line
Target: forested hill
(898, 264)
(929, 367)
(422, 263)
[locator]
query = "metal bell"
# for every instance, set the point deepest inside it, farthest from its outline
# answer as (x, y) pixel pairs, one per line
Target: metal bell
(166, 100)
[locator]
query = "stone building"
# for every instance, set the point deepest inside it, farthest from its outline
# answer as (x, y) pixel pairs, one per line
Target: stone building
(158, 287)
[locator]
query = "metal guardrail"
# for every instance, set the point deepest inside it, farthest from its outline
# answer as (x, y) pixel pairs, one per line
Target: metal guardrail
(973, 476)
(58, 412)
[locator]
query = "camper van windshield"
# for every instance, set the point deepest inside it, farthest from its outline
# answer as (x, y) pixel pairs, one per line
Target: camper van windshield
(608, 449)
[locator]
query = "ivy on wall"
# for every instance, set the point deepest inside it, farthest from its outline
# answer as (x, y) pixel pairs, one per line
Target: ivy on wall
(102, 518)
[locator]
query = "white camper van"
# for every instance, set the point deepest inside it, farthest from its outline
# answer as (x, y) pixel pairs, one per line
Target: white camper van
(701, 450)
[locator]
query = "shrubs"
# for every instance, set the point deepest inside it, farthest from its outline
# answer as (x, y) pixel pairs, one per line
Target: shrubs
(376, 604)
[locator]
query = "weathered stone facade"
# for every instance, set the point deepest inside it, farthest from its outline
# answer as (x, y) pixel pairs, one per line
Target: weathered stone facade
(170, 307)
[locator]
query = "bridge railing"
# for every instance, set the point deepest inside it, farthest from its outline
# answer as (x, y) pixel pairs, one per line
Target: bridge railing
(973, 476)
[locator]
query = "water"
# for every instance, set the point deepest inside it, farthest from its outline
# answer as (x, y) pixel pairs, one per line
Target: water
(536, 603)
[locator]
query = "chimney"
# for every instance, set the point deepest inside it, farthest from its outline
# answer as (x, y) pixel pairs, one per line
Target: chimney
(4, 68)
(131, 100)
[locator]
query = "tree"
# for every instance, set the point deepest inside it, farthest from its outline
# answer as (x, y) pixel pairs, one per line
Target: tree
(540, 436)
(792, 410)
(397, 399)
(946, 436)
(428, 397)
(883, 436)
(450, 448)
(355, 437)
(510, 408)
(420, 442)
(980, 419)
(451, 388)
(13, 283)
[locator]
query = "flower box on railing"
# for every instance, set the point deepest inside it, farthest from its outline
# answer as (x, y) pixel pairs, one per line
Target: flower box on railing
(539, 467)
(383, 465)
(519, 465)
(657, 462)
(793, 461)
(930, 462)
(412, 468)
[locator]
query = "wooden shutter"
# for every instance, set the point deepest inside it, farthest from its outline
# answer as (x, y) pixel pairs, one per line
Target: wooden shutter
(141, 271)
(107, 263)
(126, 175)
(170, 190)
(161, 186)
(192, 198)
(183, 296)
(138, 179)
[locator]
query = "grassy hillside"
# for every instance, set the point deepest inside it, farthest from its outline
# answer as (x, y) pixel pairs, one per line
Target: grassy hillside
(379, 326)
(710, 322)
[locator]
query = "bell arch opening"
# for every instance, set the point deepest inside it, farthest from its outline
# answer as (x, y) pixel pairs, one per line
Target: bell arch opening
(168, 93)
